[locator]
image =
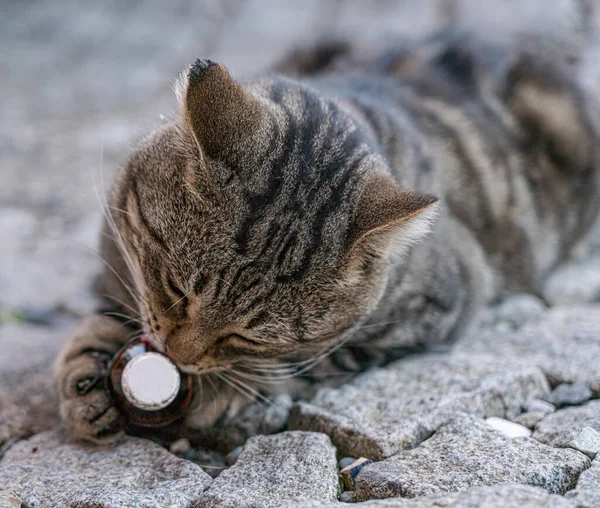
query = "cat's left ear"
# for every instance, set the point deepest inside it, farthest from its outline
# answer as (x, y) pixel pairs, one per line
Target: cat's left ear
(389, 219)
(219, 111)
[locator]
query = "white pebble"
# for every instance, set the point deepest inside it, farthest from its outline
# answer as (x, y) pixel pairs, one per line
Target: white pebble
(509, 429)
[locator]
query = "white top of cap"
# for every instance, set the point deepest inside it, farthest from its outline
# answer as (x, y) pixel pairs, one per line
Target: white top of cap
(150, 381)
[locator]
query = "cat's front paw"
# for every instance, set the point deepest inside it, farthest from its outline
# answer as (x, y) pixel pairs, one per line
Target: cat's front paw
(85, 405)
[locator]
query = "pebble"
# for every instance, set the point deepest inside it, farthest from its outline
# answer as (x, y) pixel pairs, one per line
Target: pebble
(570, 394)
(539, 406)
(233, 455)
(530, 419)
(180, 447)
(346, 461)
(277, 414)
(508, 428)
(347, 496)
(349, 473)
(587, 441)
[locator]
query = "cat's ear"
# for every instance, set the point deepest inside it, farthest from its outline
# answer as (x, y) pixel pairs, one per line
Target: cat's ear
(389, 219)
(218, 110)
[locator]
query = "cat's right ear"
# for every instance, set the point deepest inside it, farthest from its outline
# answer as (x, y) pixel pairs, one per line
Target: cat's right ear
(389, 220)
(218, 110)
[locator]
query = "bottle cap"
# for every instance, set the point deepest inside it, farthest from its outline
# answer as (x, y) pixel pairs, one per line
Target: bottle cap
(150, 381)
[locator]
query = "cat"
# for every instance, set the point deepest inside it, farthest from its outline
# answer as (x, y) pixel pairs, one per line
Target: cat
(342, 210)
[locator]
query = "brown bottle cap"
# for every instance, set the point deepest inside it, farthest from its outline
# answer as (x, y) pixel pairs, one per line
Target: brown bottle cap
(150, 381)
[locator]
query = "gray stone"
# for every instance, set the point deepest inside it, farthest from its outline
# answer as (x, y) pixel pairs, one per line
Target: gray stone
(278, 470)
(587, 441)
(563, 342)
(277, 414)
(466, 453)
(395, 408)
(28, 399)
(576, 282)
(9, 499)
(539, 406)
(560, 428)
(584, 498)
(499, 496)
(346, 461)
(587, 492)
(570, 395)
(590, 478)
(347, 496)
(233, 455)
(212, 462)
(529, 420)
(50, 469)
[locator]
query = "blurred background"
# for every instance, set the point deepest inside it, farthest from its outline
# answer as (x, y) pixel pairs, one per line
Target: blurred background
(82, 80)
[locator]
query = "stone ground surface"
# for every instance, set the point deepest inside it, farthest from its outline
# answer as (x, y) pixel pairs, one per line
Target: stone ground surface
(81, 82)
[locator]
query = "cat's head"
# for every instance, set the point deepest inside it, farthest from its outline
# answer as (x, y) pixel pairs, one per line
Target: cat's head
(260, 222)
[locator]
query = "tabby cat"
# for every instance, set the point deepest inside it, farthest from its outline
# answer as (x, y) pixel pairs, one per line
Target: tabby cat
(357, 207)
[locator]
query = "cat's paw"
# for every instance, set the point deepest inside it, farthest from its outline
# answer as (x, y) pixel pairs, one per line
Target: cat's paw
(85, 405)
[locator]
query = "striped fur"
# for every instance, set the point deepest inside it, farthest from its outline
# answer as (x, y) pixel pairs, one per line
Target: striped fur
(283, 216)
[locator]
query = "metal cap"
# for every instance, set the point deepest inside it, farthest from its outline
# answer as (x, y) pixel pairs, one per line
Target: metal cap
(150, 381)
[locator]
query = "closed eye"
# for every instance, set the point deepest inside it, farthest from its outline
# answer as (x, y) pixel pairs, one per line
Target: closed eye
(174, 289)
(235, 337)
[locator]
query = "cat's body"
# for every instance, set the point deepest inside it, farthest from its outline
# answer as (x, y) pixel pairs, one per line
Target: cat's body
(263, 226)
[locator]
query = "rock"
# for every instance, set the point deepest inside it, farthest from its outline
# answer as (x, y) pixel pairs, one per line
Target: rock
(180, 447)
(529, 420)
(570, 395)
(395, 408)
(9, 499)
(464, 453)
(233, 455)
(499, 496)
(577, 282)
(584, 498)
(278, 470)
(590, 478)
(563, 342)
(587, 492)
(539, 406)
(50, 469)
(587, 441)
(28, 399)
(560, 428)
(347, 496)
(276, 415)
(349, 473)
(212, 462)
(346, 461)
(509, 429)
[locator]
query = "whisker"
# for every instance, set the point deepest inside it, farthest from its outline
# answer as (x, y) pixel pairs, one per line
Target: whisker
(118, 239)
(235, 386)
(121, 302)
(104, 261)
(182, 298)
(129, 318)
(250, 389)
